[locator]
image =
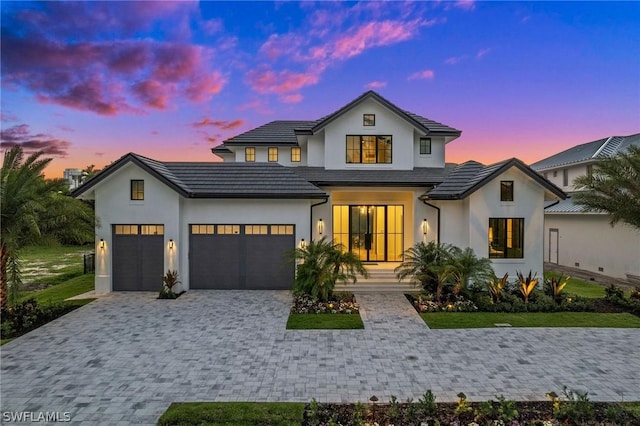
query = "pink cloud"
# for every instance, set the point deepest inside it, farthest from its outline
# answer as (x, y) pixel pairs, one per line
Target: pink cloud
(221, 124)
(376, 85)
(21, 135)
(422, 75)
(465, 4)
(293, 98)
(482, 52)
(152, 93)
(281, 45)
(455, 60)
(280, 82)
(373, 34)
(257, 105)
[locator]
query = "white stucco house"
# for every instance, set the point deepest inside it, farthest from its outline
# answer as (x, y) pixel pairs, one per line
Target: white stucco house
(370, 175)
(586, 240)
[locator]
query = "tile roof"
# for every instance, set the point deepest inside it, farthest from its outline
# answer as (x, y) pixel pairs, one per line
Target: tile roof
(468, 177)
(283, 132)
(594, 151)
(420, 176)
(219, 180)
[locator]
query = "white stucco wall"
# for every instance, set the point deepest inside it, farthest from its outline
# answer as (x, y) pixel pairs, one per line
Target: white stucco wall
(350, 123)
(436, 158)
(114, 206)
(588, 242)
(466, 223)
(573, 172)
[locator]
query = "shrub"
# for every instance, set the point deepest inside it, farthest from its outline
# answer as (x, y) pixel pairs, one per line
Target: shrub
(613, 292)
(496, 286)
(428, 404)
(575, 407)
(526, 285)
(29, 314)
(554, 287)
(635, 294)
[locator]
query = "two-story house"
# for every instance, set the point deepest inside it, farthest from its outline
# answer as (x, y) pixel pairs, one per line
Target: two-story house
(586, 240)
(370, 176)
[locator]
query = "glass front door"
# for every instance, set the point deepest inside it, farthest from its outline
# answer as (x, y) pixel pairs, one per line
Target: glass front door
(373, 233)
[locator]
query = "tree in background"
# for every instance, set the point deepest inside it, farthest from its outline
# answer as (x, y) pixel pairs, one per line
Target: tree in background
(34, 210)
(613, 188)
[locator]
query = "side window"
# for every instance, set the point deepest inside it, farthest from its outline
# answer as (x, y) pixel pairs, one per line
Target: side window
(273, 154)
(295, 154)
(137, 189)
(249, 154)
(425, 146)
(506, 238)
(506, 190)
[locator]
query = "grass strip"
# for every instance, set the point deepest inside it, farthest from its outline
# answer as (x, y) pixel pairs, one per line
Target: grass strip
(580, 287)
(233, 413)
(62, 291)
(534, 319)
(324, 322)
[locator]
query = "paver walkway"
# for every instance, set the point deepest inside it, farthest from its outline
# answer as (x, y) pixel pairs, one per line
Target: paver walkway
(125, 357)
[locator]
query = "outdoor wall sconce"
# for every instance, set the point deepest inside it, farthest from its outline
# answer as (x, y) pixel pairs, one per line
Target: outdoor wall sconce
(320, 226)
(170, 244)
(303, 243)
(425, 226)
(101, 243)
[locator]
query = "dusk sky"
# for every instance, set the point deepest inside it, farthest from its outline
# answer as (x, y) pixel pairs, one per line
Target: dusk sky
(90, 81)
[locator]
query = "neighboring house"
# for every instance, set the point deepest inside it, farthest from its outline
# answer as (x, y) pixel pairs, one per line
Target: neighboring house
(73, 177)
(586, 240)
(370, 176)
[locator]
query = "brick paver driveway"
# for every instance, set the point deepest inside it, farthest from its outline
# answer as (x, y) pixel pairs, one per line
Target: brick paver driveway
(126, 357)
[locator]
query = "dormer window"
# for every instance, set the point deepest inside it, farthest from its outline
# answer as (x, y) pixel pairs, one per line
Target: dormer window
(506, 190)
(137, 189)
(369, 120)
(273, 154)
(295, 154)
(425, 146)
(250, 154)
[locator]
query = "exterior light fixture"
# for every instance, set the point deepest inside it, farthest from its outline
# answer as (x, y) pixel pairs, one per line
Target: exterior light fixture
(101, 243)
(303, 243)
(320, 226)
(425, 226)
(170, 244)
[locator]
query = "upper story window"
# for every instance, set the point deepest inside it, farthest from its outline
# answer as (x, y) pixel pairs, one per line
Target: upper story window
(137, 189)
(295, 154)
(506, 190)
(565, 177)
(249, 154)
(368, 149)
(368, 119)
(425, 146)
(273, 153)
(506, 238)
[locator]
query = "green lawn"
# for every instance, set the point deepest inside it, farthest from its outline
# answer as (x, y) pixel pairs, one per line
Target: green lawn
(52, 265)
(324, 322)
(234, 413)
(60, 292)
(580, 287)
(536, 319)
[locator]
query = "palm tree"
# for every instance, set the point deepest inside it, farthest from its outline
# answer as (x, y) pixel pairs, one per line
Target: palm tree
(323, 263)
(32, 210)
(424, 264)
(613, 188)
(466, 266)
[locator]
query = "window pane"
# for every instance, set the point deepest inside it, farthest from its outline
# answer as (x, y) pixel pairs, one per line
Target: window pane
(506, 190)
(273, 154)
(295, 154)
(384, 149)
(249, 154)
(368, 149)
(506, 238)
(137, 190)
(255, 229)
(369, 120)
(425, 145)
(228, 229)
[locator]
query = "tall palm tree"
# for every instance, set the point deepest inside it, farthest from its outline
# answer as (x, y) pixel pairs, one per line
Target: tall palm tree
(32, 207)
(613, 188)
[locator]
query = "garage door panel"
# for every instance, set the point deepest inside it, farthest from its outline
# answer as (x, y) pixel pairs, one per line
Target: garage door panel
(267, 264)
(138, 259)
(214, 261)
(151, 262)
(125, 262)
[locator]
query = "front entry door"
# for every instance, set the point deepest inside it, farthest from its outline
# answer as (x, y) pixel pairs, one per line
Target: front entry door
(368, 233)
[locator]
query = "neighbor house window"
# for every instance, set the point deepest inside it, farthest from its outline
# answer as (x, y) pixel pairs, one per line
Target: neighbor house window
(590, 170)
(368, 149)
(506, 190)
(506, 238)
(565, 177)
(273, 153)
(295, 154)
(369, 120)
(425, 145)
(249, 154)
(137, 190)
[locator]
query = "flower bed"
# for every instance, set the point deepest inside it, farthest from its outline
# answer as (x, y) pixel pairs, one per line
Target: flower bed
(339, 304)
(425, 303)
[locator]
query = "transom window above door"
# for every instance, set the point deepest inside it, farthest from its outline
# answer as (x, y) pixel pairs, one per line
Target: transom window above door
(369, 149)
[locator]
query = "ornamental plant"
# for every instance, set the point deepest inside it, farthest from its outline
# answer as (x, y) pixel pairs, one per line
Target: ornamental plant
(554, 287)
(527, 285)
(496, 286)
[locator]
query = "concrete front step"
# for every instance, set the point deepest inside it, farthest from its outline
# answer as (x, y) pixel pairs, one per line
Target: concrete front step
(382, 286)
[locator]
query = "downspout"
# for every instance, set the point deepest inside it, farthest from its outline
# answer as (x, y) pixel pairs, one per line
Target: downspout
(438, 221)
(311, 216)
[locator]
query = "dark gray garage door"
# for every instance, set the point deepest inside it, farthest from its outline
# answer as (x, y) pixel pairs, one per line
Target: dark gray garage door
(138, 257)
(241, 257)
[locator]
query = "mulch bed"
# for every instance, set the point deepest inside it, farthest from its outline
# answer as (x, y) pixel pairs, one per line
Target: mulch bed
(529, 413)
(603, 306)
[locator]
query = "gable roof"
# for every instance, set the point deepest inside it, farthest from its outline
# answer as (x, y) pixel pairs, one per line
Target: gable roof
(590, 151)
(217, 180)
(426, 125)
(468, 177)
(284, 132)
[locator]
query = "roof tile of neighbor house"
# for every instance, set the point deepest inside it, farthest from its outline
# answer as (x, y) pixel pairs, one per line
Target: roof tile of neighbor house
(590, 151)
(419, 176)
(283, 132)
(566, 206)
(470, 176)
(219, 180)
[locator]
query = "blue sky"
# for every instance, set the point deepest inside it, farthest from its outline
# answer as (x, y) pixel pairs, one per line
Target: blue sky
(88, 81)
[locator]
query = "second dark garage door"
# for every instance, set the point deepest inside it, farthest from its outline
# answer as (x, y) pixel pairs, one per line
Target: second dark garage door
(241, 257)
